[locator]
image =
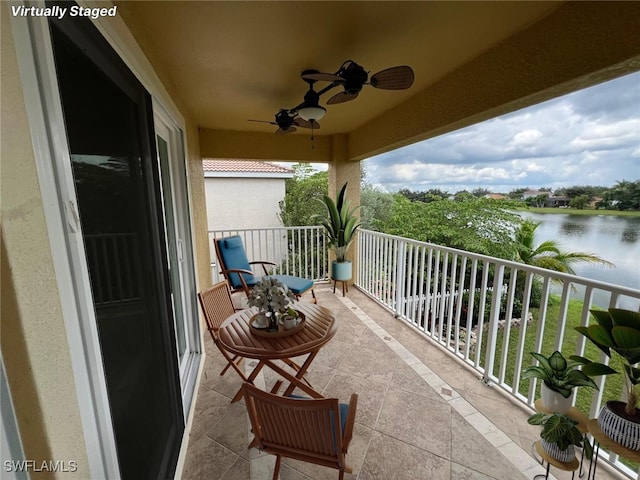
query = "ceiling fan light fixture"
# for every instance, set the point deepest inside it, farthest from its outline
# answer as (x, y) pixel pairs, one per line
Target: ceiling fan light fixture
(312, 112)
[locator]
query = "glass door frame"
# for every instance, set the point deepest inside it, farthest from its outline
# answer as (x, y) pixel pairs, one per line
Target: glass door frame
(178, 224)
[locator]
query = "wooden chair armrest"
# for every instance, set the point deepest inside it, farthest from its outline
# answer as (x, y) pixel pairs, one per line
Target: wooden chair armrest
(239, 271)
(263, 263)
(351, 420)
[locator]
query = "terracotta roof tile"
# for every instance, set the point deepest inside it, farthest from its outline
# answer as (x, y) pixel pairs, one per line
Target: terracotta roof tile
(243, 166)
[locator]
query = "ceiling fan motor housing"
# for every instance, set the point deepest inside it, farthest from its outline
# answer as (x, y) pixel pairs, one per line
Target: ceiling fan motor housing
(354, 78)
(283, 119)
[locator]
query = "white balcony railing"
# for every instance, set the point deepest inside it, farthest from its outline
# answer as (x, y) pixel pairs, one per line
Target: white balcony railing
(298, 251)
(462, 301)
(471, 305)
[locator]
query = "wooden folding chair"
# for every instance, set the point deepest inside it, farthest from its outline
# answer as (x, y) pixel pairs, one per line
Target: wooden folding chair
(217, 306)
(237, 269)
(312, 430)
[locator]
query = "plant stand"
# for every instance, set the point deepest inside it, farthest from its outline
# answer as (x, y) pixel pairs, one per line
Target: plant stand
(600, 439)
(345, 286)
(577, 415)
(571, 466)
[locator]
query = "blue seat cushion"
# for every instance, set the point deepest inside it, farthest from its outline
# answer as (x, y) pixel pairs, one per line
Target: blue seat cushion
(297, 285)
(234, 257)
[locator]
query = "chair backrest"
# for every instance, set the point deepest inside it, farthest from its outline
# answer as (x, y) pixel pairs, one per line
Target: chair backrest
(216, 305)
(312, 430)
(232, 256)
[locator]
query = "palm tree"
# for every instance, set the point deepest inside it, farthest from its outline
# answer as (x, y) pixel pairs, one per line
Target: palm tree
(548, 253)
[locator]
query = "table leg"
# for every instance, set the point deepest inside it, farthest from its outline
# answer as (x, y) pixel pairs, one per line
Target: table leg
(300, 375)
(298, 379)
(249, 379)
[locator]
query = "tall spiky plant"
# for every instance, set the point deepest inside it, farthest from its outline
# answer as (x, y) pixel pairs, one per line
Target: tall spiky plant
(340, 223)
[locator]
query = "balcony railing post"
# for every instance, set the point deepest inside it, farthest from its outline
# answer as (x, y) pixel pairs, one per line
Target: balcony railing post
(401, 269)
(494, 316)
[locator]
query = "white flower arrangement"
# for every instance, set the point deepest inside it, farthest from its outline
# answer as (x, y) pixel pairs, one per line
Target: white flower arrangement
(270, 295)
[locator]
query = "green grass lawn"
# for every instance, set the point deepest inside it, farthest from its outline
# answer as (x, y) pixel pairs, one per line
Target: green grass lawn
(613, 383)
(573, 211)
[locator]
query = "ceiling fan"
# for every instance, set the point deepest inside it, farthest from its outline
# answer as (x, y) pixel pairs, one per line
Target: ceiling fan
(288, 120)
(352, 77)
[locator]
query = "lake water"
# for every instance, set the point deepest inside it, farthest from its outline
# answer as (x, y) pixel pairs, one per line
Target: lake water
(615, 239)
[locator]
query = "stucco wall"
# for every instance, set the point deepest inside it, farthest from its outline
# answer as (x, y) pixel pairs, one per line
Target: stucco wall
(243, 202)
(33, 337)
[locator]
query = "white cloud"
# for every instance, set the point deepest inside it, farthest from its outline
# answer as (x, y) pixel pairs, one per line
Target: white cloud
(590, 137)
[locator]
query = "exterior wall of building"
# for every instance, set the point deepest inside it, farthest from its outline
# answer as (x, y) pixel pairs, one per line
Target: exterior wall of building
(35, 341)
(243, 202)
(34, 338)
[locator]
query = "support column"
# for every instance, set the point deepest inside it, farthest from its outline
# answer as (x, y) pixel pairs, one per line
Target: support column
(341, 171)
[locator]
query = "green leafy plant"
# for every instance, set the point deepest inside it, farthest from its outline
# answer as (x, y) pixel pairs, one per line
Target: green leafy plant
(562, 430)
(618, 331)
(558, 374)
(340, 223)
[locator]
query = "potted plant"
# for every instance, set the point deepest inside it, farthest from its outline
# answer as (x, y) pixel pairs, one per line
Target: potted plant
(560, 435)
(559, 378)
(618, 331)
(340, 224)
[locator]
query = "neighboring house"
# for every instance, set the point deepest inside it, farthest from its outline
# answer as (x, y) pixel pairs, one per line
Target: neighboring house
(243, 194)
(534, 193)
(495, 196)
(556, 201)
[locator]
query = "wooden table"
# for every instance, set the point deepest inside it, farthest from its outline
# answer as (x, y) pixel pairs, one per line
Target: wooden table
(235, 335)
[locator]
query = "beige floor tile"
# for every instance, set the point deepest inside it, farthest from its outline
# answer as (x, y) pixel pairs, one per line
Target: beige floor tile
(388, 458)
(418, 421)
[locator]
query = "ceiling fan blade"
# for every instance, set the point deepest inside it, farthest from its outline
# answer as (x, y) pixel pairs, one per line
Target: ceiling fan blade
(263, 121)
(302, 123)
(321, 77)
(341, 98)
(282, 131)
(394, 78)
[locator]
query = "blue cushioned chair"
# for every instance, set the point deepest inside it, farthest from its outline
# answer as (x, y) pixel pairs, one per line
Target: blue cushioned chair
(236, 268)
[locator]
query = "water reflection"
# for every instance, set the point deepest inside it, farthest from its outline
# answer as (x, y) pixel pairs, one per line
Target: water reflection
(572, 227)
(630, 235)
(615, 239)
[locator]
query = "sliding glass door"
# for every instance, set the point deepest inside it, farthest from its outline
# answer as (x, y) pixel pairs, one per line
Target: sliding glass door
(109, 124)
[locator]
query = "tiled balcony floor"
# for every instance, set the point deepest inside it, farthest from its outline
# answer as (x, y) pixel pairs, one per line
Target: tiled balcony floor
(421, 415)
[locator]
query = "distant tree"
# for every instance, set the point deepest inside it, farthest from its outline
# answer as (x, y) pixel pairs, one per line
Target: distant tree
(473, 224)
(480, 192)
(624, 195)
(579, 202)
(463, 195)
(299, 206)
(434, 194)
(517, 194)
(376, 206)
(537, 201)
(577, 191)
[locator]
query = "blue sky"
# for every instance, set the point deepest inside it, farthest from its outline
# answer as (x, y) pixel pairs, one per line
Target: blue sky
(589, 137)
